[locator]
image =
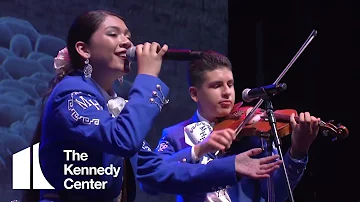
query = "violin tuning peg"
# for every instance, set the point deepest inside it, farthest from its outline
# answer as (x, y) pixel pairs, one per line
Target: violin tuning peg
(338, 125)
(331, 121)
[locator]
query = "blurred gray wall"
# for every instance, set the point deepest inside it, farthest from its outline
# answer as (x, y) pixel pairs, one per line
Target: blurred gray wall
(33, 31)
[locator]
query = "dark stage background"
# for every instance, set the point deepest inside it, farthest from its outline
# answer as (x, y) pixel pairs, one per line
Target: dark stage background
(263, 38)
(259, 37)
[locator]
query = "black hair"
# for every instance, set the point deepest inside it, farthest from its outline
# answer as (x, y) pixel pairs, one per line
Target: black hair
(208, 61)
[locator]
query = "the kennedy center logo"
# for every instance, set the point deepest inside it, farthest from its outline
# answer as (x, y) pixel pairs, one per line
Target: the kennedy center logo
(21, 171)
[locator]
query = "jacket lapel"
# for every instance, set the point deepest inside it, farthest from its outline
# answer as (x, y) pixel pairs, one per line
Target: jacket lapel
(194, 118)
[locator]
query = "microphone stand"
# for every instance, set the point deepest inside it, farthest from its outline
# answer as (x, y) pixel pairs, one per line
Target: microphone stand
(274, 139)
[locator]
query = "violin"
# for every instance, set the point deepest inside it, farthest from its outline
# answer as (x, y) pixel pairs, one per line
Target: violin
(242, 121)
(248, 121)
(259, 123)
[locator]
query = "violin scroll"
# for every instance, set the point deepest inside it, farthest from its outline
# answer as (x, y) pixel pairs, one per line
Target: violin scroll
(338, 131)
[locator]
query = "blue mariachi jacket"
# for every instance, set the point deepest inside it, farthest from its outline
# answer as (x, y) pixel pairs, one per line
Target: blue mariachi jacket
(246, 190)
(76, 118)
(176, 174)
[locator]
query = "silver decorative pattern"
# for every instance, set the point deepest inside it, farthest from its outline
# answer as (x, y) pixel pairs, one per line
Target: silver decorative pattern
(76, 115)
(160, 96)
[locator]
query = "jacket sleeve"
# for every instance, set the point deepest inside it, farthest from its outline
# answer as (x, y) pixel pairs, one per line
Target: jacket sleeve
(166, 148)
(123, 135)
(159, 173)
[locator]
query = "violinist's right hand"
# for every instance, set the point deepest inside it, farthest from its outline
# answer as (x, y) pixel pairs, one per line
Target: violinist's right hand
(256, 168)
(217, 140)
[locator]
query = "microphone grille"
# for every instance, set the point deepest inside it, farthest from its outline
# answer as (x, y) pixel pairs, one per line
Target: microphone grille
(131, 54)
(245, 96)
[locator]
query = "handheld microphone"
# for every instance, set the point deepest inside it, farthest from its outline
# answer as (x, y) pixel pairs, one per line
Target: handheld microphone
(263, 92)
(171, 54)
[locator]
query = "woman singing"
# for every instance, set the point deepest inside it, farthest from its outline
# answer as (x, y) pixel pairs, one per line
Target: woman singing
(83, 137)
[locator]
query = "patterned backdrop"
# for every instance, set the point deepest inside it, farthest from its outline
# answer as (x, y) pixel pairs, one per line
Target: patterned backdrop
(33, 31)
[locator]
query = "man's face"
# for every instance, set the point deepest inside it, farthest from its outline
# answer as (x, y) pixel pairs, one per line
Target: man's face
(216, 96)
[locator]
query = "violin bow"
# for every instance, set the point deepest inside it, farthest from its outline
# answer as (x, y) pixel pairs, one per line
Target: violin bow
(297, 55)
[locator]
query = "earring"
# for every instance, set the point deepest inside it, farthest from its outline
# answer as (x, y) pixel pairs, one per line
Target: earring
(121, 79)
(87, 69)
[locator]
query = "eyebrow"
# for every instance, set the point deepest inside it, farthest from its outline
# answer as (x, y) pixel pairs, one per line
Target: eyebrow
(126, 32)
(220, 82)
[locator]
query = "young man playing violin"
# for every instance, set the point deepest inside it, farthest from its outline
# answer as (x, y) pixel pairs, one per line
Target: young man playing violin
(212, 88)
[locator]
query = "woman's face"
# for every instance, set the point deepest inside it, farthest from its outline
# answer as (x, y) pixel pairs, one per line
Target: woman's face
(108, 46)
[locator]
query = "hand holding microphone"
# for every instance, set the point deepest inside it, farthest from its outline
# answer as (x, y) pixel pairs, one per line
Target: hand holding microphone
(171, 54)
(149, 57)
(140, 52)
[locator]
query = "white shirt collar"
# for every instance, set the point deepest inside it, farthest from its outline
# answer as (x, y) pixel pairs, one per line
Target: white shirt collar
(201, 118)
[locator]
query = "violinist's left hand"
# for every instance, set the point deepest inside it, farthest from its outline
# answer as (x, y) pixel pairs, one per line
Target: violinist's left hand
(304, 133)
